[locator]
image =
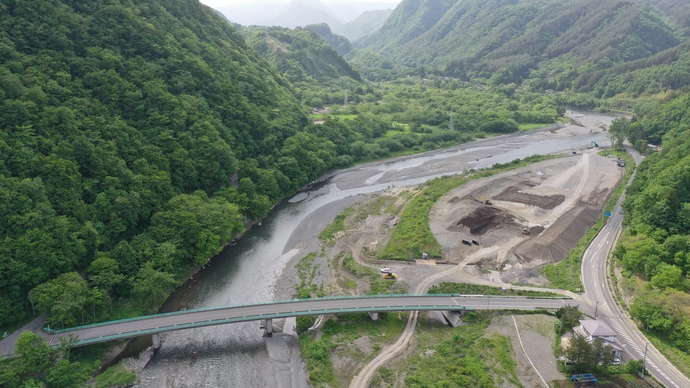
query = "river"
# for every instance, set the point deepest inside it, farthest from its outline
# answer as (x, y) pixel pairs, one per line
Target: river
(237, 355)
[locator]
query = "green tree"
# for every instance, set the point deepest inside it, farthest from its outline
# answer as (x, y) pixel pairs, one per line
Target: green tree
(152, 285)
(104, 273)
(602, 353)
(580, 353)
(63, 299)
(66, 374)
(669, 276)
(569, 316)
(34, 354)
(618, 131)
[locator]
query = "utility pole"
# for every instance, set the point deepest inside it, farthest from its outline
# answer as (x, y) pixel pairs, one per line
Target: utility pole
(451, 124)
(595, 310)
(644, 359)
(345, 97)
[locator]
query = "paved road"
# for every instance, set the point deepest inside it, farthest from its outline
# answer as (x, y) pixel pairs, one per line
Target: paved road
(594, 279)
(208, 317)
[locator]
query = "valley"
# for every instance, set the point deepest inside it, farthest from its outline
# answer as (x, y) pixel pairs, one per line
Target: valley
(158, 156)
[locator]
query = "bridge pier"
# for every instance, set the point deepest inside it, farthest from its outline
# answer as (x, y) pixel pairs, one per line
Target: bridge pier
(268, 327)
(156, 337)
(374, 316)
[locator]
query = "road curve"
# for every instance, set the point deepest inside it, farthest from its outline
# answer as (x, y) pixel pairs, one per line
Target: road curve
(605, 307)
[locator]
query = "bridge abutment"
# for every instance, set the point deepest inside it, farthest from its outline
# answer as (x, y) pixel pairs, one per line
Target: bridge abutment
(374, 316)
(452, 317)
(156, 340)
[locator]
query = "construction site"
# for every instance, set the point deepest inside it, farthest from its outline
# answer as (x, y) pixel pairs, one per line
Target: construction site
(521, 219)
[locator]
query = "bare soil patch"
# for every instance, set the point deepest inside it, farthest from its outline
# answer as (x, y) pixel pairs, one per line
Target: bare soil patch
(485, 218)
(514, 194)
(559, 238)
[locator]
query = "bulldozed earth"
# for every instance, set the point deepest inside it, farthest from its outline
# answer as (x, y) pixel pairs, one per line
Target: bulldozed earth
(534, 215)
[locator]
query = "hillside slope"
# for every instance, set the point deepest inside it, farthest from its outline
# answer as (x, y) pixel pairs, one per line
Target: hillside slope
(300, 54)
(507, 39)
(121, 127)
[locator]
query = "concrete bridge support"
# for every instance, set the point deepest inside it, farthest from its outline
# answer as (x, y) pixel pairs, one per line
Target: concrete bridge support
(156, 340)
(453, 317)
(268, 328)
(374, 316)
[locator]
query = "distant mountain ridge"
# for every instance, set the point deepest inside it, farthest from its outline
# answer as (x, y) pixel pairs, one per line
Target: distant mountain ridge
(364, 25)
(304, 12)
(507, 40)
(299, 13)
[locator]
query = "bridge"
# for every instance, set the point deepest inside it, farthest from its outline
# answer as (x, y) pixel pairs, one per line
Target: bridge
(451, 305)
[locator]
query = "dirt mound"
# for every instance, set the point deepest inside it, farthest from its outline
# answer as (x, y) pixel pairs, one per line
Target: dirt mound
(559, 238)
(485, 218)
(513, 194)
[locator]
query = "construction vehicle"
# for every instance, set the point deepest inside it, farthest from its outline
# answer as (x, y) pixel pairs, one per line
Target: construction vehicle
(525, 231)
(390, 275)
(594, 144)
(485, 201)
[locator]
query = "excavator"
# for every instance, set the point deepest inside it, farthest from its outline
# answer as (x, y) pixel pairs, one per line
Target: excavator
(390, 275)
(485, 200)
(594, 144)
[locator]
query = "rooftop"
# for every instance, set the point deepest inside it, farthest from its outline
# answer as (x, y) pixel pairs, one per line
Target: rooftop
(597, 328)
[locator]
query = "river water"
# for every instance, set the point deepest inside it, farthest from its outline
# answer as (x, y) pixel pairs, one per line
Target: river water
(237, 355)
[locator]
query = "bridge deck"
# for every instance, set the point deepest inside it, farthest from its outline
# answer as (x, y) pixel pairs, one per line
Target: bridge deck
(110, 331)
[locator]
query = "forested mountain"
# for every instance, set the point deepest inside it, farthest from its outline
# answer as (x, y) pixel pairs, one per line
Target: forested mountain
(556, 44)
(340, 43)
(307, 60)
(122, 126)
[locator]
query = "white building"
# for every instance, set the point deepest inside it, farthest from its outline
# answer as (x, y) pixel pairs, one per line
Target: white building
(593, 329)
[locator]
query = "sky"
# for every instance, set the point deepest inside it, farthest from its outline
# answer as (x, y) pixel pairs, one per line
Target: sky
(220, 3)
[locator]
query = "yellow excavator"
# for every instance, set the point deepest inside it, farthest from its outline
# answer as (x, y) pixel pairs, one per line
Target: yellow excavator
(485, 200)
(390, 275)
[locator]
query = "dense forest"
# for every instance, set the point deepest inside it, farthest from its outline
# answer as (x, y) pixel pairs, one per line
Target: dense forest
(585, 45)
(656, 244)
(122, 128)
